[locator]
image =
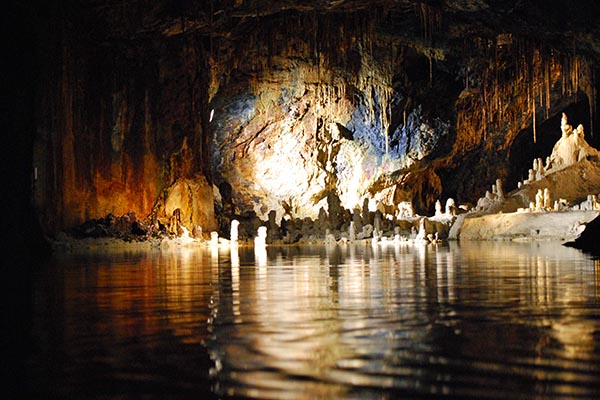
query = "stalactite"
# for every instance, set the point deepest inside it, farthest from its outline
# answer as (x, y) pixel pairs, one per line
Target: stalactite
(533, 123)
(524, 74)
(592, 101)
(430, 18)
(430, 70)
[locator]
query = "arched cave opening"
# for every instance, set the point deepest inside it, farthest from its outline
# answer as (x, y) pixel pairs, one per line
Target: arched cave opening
(524, 150)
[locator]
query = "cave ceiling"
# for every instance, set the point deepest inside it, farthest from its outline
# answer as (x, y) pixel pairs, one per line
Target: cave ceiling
(563, 23)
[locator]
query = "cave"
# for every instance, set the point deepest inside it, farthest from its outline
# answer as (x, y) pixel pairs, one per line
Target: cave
(345, 141)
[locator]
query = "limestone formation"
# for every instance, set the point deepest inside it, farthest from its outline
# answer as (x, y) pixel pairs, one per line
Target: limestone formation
(334, 209)
(531, 176)
(438, 208)
(591, 203)
(547, 199)
(261, 239)
(214, 238)
(377, 222)
(421, 235)
(234, 230)
(571, 147)
(367, 232)
(352, 231)
(539, 200)
(450, 207)
(366, 214)
(273, 228)
(357, 220)
(323, 220)
(192, 200)
(405, 209)
(197, 232)
(540, 172)
(499, 190)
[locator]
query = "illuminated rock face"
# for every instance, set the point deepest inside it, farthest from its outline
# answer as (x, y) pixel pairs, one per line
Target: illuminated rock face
(571, 147)
(284, 147)
(116, 127)
(193, 198)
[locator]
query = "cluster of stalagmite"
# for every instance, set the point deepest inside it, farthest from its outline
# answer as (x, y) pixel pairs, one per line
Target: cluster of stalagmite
(569, 150)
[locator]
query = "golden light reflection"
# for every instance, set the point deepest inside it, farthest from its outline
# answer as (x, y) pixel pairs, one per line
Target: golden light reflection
(323, 319)
(235, 280)
(310, 317)
(540, 281)
(597, 276)
(152, 291)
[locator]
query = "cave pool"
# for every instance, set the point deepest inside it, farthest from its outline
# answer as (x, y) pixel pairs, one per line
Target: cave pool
(453, 320)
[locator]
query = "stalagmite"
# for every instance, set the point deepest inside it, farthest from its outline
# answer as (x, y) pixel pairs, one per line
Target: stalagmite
(539, 200)
(438, 208)
(547, 199)
(405, 209)
(352, 231)
(499, 190)
(261, 239)
(214, 238)
(540, 172)
(234, 231)
(450, 207)
(421, 235)
(571, 147)
(531, 176)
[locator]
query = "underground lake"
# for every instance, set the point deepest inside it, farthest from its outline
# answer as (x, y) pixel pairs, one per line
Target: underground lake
(453, 320)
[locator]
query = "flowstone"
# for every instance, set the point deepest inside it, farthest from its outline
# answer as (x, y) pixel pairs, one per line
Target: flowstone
(571, 172)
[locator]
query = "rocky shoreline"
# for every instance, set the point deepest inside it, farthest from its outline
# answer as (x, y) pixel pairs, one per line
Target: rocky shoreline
(556, 202)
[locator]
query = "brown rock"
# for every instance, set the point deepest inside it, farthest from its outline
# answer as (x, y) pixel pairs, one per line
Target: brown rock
(191, 201)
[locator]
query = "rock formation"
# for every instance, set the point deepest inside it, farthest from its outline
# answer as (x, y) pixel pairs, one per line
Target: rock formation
(234, 231)
(571, 147)
(261, 238)
(573, 171)
(278, 106)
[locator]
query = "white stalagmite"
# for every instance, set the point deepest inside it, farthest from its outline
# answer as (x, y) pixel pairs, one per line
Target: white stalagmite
(539, 200)
(547, 199)
(450, 207)
(261, 239)
(571, 147)
(499, 190)
(214, 238)
(234, 230)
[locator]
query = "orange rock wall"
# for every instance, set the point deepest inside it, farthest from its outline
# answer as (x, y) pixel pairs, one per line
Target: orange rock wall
(116, 126)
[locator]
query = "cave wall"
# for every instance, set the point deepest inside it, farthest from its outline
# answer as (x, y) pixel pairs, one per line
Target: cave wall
(330, 105)
(310, 103)
(280, 106)
(118, 124)
(511, 85)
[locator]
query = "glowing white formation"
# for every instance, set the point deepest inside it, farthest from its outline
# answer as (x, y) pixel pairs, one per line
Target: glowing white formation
(261, 239)
(234, 230)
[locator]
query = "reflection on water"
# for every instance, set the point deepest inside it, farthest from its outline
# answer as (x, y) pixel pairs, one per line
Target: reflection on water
(485, 319)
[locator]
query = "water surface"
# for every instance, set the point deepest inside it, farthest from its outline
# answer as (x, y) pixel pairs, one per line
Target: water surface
(480, 320)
